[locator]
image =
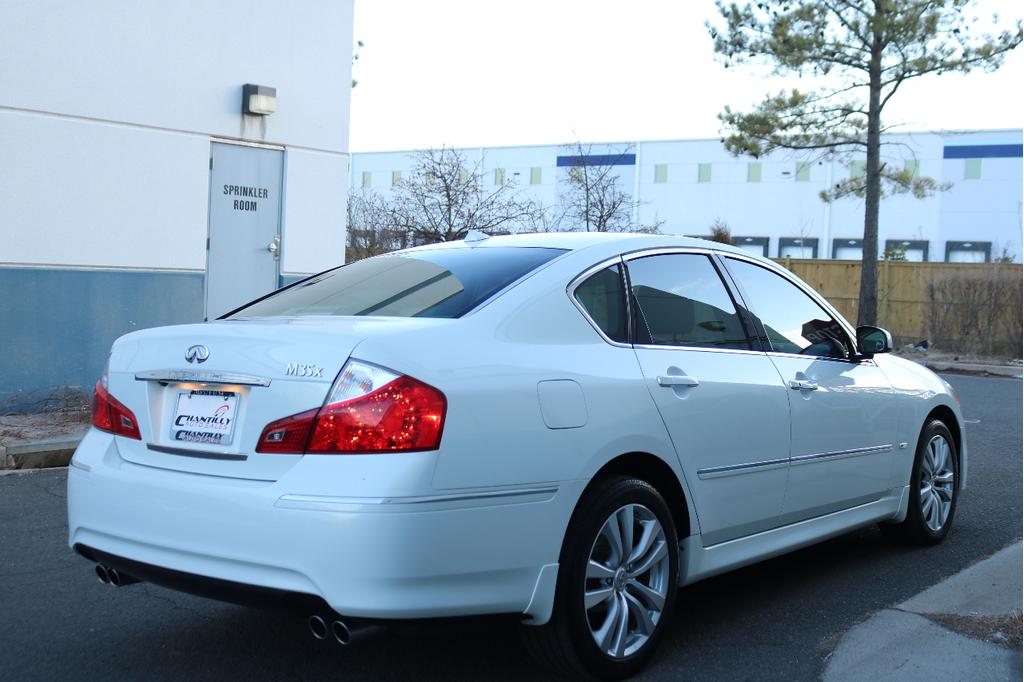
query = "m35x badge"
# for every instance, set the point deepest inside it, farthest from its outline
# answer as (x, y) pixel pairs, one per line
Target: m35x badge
(297, 370)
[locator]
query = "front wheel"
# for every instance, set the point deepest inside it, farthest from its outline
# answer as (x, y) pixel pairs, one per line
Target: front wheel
(616, 584)
(934, 489)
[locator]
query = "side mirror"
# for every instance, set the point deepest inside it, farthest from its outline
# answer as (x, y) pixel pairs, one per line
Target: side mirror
(873, 340)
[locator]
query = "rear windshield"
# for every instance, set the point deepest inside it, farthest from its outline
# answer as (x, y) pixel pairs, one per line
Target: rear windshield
(436, 283)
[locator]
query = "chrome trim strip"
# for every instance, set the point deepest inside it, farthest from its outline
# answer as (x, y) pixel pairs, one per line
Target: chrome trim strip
(849, 361)
(203, 454)
(663, 250)
(703, 349)
(310, 501)
(766, 465)
(737, 469)
(168, 376)
(840, 454)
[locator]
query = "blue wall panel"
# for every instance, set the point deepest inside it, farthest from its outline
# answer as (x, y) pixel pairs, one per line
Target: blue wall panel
(596, 160)
(57, 324)
(982, 151)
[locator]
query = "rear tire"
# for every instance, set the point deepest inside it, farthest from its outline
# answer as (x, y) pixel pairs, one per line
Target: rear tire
(934, 489)
(617, 584)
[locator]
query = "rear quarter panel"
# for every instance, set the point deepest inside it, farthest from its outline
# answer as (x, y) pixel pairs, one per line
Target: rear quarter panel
(489, 367)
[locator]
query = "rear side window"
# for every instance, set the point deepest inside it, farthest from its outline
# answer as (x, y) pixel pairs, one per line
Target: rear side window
(680, 300)
(434, 283)
(603, 296)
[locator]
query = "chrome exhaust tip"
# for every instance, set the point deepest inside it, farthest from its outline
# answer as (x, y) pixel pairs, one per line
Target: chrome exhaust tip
(119, 579)
(318, 627)
(342, 633)
(103, 574)
(349, 632)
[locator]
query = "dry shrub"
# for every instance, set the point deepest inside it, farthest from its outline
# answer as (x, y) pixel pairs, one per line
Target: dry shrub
(63, 402)
(977, 313)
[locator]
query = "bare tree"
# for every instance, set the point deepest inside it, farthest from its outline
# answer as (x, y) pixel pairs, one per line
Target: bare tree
(444, 197)
(594, 202)
(368, 233)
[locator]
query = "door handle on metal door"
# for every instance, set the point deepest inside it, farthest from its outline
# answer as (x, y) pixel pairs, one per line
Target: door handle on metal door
(803, 385)
(675, 380)
(274, 247)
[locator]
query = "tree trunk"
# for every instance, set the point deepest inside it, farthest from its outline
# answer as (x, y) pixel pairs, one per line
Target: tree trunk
(867, 312)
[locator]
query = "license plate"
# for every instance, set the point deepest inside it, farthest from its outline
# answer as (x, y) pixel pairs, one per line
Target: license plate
(205, 417)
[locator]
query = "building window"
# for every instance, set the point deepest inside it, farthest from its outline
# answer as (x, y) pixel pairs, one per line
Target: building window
(396, 178)
(367, 179)
(968, 252)
(535, 175)
(914, 250)
(758, 245)
(848, 249)
(754, 173)
(463, 176)
(912, 166)
(803, 171)
(798, 247)
(972, 169)
(499, 176)
(661, 172)
(704, 172)
(858, 169)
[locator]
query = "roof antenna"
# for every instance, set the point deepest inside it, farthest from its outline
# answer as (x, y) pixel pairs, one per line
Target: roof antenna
(474, 236)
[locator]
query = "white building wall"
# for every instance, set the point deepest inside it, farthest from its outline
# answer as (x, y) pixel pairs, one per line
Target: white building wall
(107, 111)
(780, 205)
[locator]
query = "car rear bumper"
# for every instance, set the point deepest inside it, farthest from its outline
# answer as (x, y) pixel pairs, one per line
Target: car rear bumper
(412, 556)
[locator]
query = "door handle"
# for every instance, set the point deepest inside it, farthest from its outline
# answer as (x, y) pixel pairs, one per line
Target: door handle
(676, 380)
(274, 247)
(803, 385)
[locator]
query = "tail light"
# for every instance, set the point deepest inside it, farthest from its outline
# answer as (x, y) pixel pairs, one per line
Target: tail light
(109, 414)
(369, 409)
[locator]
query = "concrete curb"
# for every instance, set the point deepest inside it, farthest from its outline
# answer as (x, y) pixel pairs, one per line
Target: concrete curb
(902, 643)
(51, 452)
(972, 368)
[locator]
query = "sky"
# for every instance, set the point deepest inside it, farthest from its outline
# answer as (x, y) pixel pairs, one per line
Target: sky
(493, 73)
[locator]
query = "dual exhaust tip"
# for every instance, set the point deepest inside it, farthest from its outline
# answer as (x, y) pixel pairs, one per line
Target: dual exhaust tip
(343, 633)
(112, 576)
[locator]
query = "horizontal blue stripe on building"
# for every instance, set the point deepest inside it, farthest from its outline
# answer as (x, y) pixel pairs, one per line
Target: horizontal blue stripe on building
(982, 151)
(597, 160)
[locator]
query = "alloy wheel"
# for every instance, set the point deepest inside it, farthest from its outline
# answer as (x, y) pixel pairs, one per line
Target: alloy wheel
(627, 580)
(937, 481)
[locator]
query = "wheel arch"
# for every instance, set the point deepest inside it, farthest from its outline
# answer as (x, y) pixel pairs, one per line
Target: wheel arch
(946, 415)
(655, 471)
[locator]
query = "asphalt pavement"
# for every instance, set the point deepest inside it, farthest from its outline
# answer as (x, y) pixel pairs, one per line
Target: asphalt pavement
(777, 620)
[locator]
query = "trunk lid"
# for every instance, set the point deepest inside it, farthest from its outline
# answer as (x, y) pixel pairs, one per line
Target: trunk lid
(205, 416)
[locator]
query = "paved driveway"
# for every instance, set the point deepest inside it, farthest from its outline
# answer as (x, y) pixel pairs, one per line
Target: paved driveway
(771, 621)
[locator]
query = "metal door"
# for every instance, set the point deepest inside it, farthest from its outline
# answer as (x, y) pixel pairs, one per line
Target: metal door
(843, 416)
(723, 403)
(244, 243)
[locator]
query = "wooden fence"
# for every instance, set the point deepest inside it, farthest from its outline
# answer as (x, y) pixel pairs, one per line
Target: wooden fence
(963, 307)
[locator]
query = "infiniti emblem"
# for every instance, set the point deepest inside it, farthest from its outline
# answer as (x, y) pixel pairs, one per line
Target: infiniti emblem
(197, 354)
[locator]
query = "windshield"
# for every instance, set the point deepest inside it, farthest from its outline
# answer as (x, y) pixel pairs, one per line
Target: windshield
(435, 283)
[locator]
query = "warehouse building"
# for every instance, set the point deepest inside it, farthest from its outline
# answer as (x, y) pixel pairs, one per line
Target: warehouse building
(162, 163)
(772, 205)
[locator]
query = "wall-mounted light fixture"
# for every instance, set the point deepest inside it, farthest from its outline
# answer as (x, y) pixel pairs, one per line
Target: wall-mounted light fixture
(258, 100)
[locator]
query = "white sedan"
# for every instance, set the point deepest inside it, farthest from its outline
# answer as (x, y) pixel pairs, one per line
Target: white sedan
(560, 427)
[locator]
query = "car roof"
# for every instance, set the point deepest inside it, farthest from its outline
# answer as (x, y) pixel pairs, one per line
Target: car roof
(576, 241)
